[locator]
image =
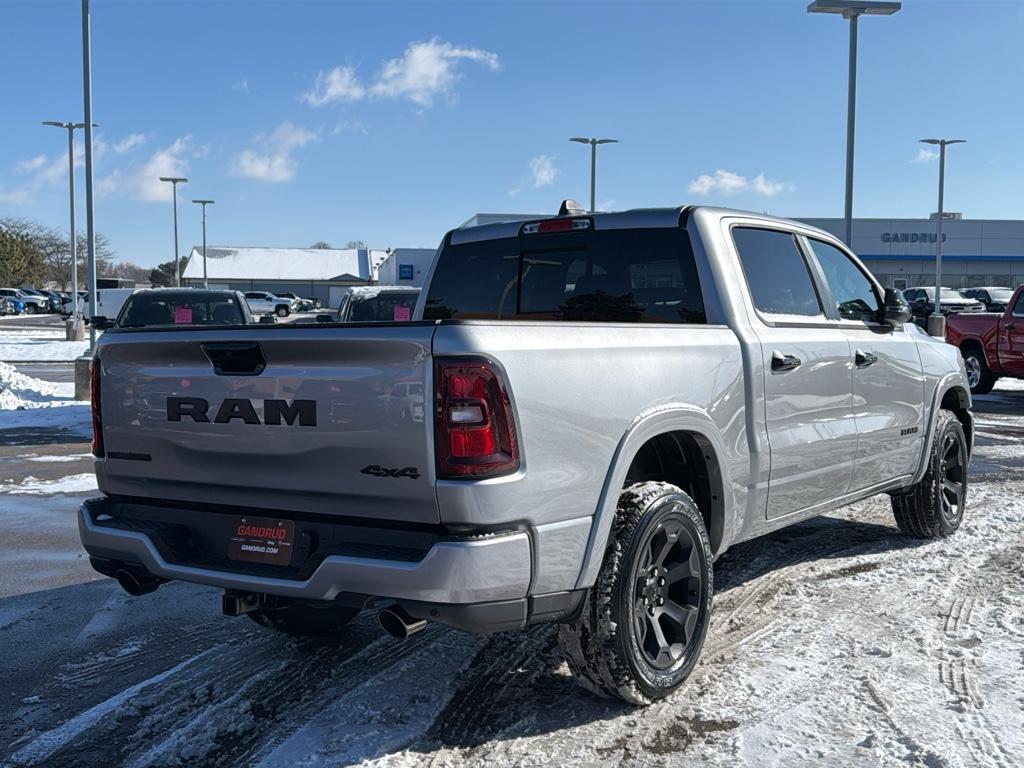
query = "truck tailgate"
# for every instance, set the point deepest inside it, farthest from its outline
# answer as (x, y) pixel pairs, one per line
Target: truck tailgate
(320, 419)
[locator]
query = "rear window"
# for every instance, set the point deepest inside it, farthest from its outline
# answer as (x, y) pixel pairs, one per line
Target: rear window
(629, 275)
(143, 311)
(383, 307)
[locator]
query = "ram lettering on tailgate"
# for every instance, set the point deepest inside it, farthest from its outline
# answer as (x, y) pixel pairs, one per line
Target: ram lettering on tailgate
(275, 412)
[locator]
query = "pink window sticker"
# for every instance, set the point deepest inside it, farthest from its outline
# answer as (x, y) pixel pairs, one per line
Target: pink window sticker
(183, 316)
(401, 312)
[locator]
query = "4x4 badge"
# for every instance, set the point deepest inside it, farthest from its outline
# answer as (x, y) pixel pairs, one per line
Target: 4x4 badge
(378, 471)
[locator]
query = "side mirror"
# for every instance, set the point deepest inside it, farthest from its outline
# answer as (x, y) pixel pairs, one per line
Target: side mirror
(268, 319)
(896, 311)
(324, 318)
(101, 323)
(920, 302)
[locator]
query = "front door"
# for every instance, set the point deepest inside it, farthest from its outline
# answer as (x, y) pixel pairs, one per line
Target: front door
(806, 362)
(888, 383)
(1011, 339)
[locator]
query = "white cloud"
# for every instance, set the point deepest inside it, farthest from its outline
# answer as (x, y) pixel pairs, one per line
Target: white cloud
(350, 126)
(925, 155)
(543, 169)
(169, 161)
(427, 70)
(128, 143)
(32, 164)
(16, 197)
(729, 183)
(271, 156)
(340, 84)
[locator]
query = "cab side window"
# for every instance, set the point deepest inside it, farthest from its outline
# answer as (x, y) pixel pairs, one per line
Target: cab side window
(852, 291)
(1018, 307)
(777, 274)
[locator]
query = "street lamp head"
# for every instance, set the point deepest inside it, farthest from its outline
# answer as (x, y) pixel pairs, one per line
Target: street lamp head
(55, 124)
(580, 140)
(943, 142)
(607, 141)
(173, 179)
(850, 8)
(203, 202)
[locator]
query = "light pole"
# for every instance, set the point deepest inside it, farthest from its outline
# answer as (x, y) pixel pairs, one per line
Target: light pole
(936, 322)
(175, 181)
(71, 184)
(852, 10)
(90, 230)
(204, 203)
(593, 163)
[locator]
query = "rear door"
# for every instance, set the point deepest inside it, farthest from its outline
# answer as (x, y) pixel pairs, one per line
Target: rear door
(1011, 338)
(888, 383)
(808, 397)
(292, 418)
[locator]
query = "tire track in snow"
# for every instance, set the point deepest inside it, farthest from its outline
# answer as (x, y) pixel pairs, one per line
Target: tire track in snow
(42, 747)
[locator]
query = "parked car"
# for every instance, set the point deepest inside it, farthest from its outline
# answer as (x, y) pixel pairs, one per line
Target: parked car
(33, 304)
(374, 304)
(615, 400)
(995, 299)
(109, 302)
(992, 345)
(264, 303)
(181, 307)
(922, 303)
(7, 306)
(300, 304)
(47, 304)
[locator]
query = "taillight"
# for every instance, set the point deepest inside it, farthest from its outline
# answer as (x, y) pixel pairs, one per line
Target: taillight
(97, 421)
(474, 433)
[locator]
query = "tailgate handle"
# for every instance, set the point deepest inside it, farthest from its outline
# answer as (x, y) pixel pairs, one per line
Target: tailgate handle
(235, 358)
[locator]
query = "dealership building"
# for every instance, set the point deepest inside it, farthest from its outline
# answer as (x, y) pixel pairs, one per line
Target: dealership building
(320, 273)
(901, 252)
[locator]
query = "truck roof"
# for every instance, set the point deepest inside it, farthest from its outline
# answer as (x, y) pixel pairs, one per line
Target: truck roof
(633, 218)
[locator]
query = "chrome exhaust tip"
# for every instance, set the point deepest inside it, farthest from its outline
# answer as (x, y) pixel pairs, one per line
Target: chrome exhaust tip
(397, 622)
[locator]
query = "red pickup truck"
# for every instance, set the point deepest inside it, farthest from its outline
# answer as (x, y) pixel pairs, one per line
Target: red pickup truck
(992, 344)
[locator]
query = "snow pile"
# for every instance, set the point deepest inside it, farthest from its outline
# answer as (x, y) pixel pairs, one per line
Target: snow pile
(32, 486)
(18, 391)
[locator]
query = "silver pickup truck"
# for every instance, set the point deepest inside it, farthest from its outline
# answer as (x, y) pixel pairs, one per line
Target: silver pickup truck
(610, 402)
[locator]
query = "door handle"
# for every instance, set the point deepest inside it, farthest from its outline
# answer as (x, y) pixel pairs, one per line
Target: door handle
(864, 359)
(782, 363)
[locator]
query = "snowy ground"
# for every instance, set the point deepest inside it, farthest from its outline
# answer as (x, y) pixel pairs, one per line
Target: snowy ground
(834, 642)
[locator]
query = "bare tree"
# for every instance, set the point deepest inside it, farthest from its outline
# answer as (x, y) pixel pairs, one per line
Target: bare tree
(356, 244)
(320, 245)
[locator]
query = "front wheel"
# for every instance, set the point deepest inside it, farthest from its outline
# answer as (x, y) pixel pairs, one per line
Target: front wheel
(281, 311)
(979, 375)
(643, 623)
(934, 508)
(30, 309)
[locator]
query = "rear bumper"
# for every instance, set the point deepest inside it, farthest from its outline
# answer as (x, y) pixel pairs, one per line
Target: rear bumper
(458, 572)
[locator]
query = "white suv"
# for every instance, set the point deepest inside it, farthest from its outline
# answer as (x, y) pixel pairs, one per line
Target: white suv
(33, 304)
(264, 303)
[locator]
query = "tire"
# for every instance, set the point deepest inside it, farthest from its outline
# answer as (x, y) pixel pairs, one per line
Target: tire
(979, 375)
(303, 619)
(934, 508)
(30, 309)
(282, 311)
(610, 648)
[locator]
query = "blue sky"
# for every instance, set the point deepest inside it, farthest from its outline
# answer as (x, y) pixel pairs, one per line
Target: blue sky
(393, 122)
